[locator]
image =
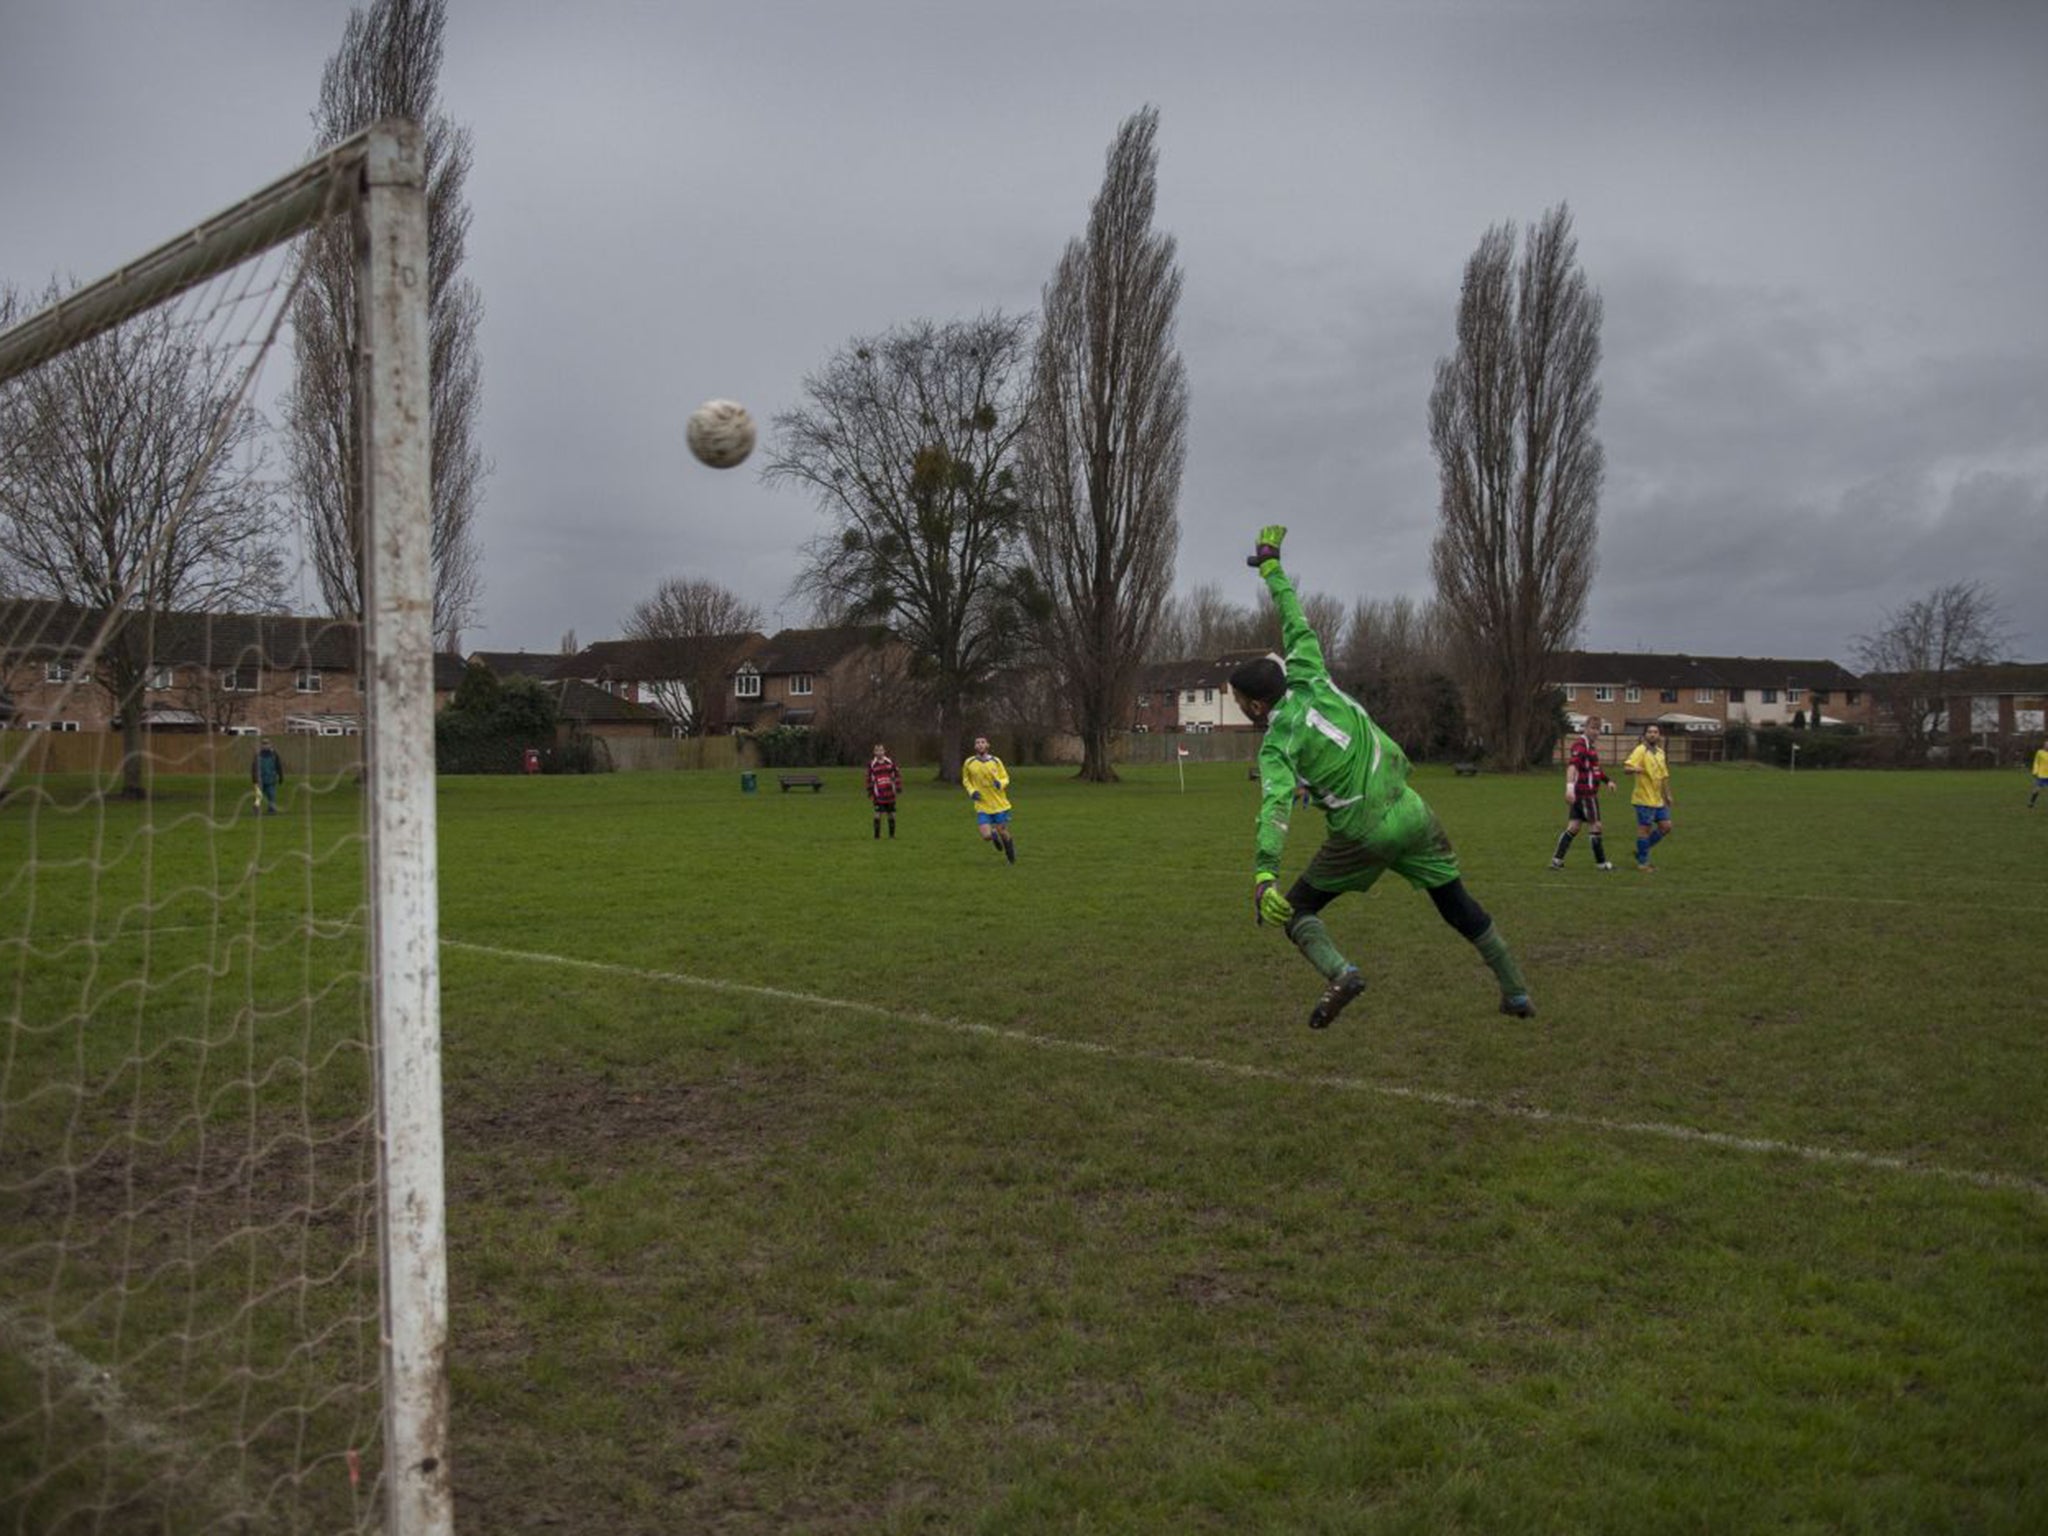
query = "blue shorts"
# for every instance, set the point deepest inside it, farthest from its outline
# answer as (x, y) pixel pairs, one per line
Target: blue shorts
(992, 818)
(1650, 815)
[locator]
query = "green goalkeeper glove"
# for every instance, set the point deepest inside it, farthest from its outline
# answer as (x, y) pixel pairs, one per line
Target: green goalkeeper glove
(1268, 551)
(1268, 905)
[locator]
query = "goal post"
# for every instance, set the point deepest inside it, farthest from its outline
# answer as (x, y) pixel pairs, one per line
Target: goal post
(398, 665)
(220, 1082)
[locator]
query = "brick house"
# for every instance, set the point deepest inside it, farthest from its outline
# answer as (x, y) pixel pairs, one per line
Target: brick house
(234, 674)
(1192, 696)
(1701, 696)
(671, 675)
(1997, 703)
(848, 676)
(543, 666)
(587, 708)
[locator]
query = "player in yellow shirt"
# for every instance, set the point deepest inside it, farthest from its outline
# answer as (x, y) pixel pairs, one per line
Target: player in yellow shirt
(987, 783)
(1652, 794)
(2040, 773)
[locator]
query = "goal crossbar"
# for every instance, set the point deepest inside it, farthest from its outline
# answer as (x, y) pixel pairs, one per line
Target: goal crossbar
(317, 190)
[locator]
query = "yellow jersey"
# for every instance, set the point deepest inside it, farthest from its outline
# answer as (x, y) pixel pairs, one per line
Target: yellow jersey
(990, 778)
(2041, 764)
(1651, 776)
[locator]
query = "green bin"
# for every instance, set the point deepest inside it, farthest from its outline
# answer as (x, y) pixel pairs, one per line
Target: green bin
(746, 783)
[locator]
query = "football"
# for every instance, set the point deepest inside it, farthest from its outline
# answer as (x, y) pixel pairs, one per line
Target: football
(721, 433)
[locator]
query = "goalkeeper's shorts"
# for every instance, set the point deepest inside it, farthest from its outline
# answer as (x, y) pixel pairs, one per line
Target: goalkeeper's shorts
(1408, 840)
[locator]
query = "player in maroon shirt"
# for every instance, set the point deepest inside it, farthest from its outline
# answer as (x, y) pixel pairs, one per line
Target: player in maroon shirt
(885, 783)
(1583, 777)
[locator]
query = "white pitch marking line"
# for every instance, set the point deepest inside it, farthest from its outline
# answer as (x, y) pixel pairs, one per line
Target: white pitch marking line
(1656, 1128)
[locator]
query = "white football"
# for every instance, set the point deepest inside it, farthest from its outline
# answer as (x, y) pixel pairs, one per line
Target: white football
(721, 433)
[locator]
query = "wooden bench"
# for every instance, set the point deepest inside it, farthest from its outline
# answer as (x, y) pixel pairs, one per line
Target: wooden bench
(790, 781)
(1465, 770)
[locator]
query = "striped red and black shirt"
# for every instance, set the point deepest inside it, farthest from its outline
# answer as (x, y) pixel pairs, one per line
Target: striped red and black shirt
(1585, 771)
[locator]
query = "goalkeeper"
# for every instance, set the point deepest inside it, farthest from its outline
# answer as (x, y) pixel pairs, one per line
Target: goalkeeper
(1358, 778)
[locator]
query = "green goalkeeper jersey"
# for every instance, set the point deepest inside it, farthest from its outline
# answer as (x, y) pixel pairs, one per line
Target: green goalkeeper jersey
(1319, 735)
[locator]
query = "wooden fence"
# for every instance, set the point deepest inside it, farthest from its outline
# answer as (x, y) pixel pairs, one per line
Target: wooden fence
(100, 752)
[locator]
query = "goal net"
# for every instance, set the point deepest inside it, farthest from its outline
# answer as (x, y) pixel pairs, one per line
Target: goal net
(222, 1292)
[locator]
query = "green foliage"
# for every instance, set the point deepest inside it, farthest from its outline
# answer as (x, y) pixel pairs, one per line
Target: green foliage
(490, 722)
(1819, 747)
(798, 746)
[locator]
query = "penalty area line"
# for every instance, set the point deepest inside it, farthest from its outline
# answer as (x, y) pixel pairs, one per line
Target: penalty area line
(1493, 1108)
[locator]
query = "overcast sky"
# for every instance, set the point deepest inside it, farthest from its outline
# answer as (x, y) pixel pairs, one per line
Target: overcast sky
(1820, 230)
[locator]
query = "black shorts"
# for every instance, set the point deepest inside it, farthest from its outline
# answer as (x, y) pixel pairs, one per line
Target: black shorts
(1585, 808)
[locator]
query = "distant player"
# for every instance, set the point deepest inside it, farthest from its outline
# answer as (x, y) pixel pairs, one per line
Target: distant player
(1583, 777)
(1652, 795)
(1319, 735)
(885, 783)
(987, 783)
(2040, 774)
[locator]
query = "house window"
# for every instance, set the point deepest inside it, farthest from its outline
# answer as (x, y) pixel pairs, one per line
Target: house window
(1768, 695)
(1736, 696)
(161, 678)
(307, 682)
(1634, 696)
(1208, 695)
(1571, 691)
(799, 685)
(238, 680)
(56, 671)
(63, 725)
(1603, 694)
(1144, 701)
(1703, 695)
(1820, 695)
(747, 684)
(1668, 695)
(1792, 695)
(1189, 696)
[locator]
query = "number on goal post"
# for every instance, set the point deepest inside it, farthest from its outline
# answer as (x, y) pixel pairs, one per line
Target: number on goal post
(223, 1300)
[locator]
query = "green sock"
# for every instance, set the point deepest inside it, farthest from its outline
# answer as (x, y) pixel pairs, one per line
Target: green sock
(1493, 949)
(1313, 940)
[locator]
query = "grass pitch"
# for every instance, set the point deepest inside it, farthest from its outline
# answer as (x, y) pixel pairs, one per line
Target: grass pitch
(804, 1182)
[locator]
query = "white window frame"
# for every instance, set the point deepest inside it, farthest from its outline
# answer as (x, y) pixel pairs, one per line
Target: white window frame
(65, 725)
(1571, 691)
(163, 679)
(1703, 695)
(1603, 694)
(1767, 695)
(306, 680)
(746, 684)
(56, 671)
(800, 685)
(1634, 696)
(1794, 695)
(231, 682)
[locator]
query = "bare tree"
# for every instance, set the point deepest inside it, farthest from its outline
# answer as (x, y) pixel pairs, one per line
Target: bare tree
(132, 486)
(1396, 659)
(707, 624)
(909, 442)
(1205, 624)
(389, 65)
(1109, 437)
(1512, 419)
(1910, 660)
